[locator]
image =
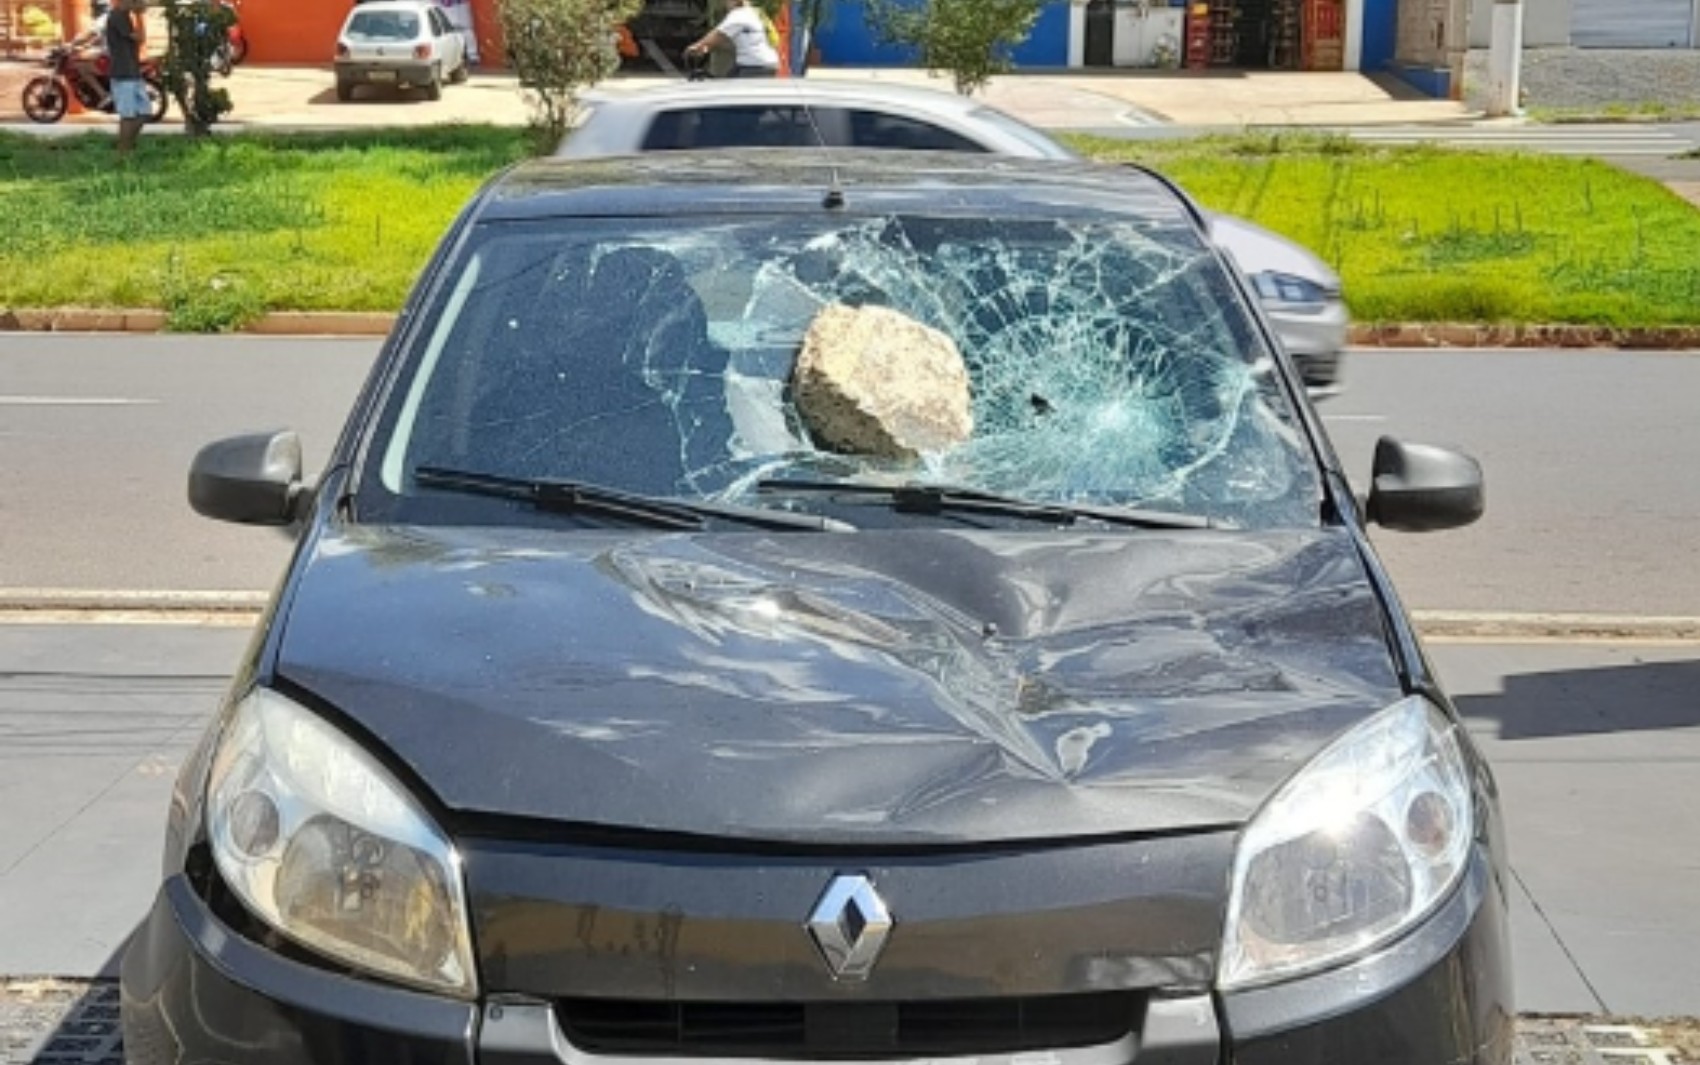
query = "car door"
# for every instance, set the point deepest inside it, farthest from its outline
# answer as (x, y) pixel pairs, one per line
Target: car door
(894, 132)
(448, 42)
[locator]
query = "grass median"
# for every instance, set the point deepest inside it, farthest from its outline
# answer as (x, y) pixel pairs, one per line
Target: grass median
(219, 231)
(1424, 234)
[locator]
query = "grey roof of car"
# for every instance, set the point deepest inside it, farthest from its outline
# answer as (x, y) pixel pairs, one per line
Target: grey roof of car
(763, 180)
(809, 90)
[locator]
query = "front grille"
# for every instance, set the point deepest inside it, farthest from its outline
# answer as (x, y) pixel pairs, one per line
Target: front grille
(926, 1028)
(1319, 370)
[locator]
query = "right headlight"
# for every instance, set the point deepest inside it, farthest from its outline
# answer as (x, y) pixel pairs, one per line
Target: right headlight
(1362, 843)
(326, 846)
(1275, 287)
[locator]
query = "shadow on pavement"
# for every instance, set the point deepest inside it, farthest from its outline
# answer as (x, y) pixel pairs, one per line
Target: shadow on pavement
(1644, 696)
(370, 94)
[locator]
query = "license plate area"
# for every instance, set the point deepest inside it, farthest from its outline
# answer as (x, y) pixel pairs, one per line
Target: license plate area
(380, 75)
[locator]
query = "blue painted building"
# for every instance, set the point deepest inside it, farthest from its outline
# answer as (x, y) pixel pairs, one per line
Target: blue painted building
(1126, 33)
(846, 39)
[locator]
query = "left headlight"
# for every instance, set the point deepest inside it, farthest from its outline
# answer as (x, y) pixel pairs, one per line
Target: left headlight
(324, 845)
(1362, 843)
(1289, 288)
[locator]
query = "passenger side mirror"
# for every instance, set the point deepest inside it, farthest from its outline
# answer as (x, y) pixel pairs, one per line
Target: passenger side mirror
(1424, 488)
(250, 480)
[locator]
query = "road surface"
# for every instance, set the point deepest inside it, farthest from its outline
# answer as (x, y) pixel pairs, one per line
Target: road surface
(1592, 461)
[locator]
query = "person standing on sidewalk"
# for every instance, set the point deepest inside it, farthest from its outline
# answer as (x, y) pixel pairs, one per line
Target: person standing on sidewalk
(124, 37)
(744, 29)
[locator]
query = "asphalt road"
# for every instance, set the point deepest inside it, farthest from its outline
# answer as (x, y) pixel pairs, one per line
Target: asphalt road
(1592, 460)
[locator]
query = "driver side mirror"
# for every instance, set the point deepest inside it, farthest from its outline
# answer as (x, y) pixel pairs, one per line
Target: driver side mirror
(250, 480)
(1423, 488)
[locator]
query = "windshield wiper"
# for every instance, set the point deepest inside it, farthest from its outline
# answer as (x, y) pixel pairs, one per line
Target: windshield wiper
(940, 499)
(578, 497)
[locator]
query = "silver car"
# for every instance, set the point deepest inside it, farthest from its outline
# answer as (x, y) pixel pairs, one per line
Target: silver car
(399, 43)
(1301, 296)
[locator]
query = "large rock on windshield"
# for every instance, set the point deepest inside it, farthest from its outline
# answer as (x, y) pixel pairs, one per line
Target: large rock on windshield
(873, 381)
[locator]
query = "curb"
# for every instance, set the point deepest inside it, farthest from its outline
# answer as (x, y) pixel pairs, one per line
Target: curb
(1377, 335)
(276, 323)
(1462, 335)
(181, 606)
(1478, 625)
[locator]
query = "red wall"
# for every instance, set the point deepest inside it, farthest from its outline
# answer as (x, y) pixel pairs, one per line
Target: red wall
(292, 31)
(303, 32)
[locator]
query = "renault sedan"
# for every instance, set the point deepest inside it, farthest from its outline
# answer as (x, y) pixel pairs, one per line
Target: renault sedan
(790, 607)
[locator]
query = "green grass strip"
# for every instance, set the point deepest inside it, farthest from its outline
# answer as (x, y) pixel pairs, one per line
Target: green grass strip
(219, 231)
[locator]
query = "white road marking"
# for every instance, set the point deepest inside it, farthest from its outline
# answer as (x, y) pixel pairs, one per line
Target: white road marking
(74, 401)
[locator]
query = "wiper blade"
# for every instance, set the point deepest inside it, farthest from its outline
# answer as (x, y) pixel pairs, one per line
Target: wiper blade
(579, 497)
(939, 499)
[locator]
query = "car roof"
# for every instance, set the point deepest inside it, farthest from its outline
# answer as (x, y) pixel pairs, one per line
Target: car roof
(791, 180)
(824, 92)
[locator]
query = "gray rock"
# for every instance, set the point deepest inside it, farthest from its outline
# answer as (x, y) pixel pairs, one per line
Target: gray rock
(873, 381)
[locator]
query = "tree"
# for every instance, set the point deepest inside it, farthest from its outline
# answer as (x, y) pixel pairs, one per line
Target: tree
(195, 29)
(970, 38)
(558, 48)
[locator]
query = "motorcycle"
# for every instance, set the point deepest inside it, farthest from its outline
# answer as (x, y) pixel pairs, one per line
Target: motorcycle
(48, 96)
(236, 42)
(234, 48)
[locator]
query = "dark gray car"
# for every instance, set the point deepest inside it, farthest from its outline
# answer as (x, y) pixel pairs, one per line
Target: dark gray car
(645, 689)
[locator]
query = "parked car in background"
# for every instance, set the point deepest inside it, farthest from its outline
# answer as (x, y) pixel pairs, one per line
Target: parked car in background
(1299, 293)
(399, 43)
(628, 700)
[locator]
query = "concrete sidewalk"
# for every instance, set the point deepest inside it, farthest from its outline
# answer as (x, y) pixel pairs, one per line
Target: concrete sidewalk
(1594, 744)
(297, 97)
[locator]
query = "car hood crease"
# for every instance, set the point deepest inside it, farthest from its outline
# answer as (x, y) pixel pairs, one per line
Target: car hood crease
(913, 688)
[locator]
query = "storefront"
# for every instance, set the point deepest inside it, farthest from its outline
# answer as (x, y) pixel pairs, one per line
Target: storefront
(1236, 34)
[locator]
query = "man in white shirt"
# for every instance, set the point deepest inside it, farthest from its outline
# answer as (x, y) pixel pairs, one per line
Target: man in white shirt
(744, 29)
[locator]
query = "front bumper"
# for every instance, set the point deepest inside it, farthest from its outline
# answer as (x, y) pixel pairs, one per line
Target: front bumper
(1314, 336)
(196, 990)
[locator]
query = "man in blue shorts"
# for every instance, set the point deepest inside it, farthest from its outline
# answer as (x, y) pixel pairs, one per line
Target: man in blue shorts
(124, 53)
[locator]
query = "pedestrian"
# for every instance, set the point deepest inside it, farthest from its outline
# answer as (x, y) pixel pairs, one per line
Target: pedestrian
(125, 36)
(754, 55)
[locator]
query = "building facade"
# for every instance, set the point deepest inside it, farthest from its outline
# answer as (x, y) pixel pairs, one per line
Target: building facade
(1661, 24)
(1238, 34)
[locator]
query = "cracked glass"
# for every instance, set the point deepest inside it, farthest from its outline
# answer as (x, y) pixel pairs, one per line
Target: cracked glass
(1108, 361)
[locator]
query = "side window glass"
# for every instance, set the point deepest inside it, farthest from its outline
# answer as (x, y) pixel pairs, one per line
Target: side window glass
(754, 126)
(872, 129)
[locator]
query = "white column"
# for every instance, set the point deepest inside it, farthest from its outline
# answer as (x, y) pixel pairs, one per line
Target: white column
(1505, 59)
(1077, 33)
(1354, 34)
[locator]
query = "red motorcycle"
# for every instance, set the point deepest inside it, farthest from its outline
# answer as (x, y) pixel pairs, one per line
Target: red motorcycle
(236, 46)
(48, 97)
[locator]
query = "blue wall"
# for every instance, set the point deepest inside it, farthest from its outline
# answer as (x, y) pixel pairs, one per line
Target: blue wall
(847, 41)
(1381, 31)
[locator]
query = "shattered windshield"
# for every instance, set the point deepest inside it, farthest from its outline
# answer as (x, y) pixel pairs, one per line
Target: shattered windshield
(1101, 361)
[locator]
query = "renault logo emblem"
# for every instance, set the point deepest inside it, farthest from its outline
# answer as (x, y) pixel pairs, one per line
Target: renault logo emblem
(850, 925)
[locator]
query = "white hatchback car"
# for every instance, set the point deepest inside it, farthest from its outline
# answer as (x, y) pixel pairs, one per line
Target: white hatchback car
(405, 43)
(1300, 295)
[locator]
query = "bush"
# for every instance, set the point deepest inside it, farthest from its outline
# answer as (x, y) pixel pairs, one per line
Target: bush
(559, 47)
(196, 29)
(970, 38)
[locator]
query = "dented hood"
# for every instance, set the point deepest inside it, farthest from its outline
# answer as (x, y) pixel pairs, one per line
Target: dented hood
(869, 688)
